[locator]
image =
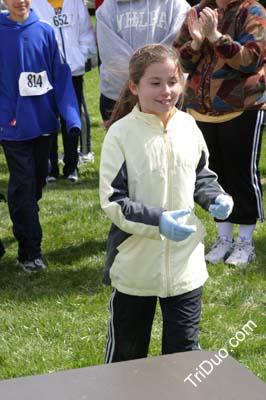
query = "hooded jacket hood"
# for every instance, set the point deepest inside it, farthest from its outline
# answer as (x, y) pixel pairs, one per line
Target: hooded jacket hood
(7, 22)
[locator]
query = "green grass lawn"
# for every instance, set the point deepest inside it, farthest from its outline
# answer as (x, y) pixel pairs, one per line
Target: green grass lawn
(57, 320)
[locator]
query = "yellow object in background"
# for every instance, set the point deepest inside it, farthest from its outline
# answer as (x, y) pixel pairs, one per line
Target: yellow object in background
(56, 3)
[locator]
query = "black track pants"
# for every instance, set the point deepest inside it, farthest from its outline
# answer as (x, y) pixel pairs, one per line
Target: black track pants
(131, 319)
(234, 148)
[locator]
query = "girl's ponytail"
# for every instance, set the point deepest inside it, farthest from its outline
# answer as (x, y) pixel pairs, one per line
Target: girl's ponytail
(123, 106)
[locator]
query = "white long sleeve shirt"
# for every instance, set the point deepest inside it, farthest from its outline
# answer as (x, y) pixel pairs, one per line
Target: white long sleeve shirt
(73, 29)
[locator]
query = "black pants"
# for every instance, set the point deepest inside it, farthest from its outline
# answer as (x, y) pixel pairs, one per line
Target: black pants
(2, 249)
(131, 319)
(70, 143)
(85, 137)
(234, 148)
(106, 107)
(27, 163)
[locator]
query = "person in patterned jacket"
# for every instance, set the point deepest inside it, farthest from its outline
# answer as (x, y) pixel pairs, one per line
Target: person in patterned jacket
(223, 50)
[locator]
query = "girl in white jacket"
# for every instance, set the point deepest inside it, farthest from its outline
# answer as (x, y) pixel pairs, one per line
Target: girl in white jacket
(154, 163)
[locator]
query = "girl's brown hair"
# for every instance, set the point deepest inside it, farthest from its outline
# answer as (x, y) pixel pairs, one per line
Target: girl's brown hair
(140, 60)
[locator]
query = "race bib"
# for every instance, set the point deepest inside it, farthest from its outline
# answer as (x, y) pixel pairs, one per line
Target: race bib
(34, 83)
(62, 20)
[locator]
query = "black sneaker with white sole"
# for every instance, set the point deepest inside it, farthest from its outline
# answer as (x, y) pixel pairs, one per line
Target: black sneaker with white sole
(73, 177)
(32, 265)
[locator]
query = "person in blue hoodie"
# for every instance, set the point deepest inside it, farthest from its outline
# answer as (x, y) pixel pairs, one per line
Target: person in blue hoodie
(35, 87)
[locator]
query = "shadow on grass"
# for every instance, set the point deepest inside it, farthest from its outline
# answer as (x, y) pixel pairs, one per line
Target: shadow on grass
(3, 166)
(3, 185)
(260, 255)
(70, 254)
(74, 270)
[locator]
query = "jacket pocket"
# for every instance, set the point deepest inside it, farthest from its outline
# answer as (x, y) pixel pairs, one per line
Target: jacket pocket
(136, 267)
(36, 115)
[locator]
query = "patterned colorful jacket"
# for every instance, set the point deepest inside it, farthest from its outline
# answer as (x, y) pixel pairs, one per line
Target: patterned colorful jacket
(228, 75)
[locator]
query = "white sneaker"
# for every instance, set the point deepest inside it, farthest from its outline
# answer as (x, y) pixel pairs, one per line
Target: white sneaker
(74, 176)
(61, 158)
(50, 178)
(87, 158)
(219, 251)
(242, 253)
(32, 266)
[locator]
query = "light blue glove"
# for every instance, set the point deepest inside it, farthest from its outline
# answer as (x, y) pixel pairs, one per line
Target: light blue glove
(222, 207)
(173, 230)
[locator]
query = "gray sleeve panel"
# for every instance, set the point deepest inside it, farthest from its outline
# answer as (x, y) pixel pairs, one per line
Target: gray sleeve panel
(206, 187)
(133, 211)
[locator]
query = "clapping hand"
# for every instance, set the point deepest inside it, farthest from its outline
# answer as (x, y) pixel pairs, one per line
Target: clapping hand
(194, 28)
(208, 21)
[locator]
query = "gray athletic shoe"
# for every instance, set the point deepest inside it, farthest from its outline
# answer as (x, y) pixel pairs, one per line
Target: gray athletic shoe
(243, 253)
(219, 251)
(32, 265)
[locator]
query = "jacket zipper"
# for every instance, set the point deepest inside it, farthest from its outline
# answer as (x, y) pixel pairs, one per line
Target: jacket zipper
(63, 45)
(167, 248)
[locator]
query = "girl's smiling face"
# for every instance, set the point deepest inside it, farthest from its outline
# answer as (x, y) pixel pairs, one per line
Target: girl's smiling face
(158, 89)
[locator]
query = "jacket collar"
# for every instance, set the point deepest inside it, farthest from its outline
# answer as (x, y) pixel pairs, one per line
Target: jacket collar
(150, 119)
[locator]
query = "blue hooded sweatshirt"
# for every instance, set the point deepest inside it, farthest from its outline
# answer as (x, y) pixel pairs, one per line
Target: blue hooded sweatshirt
(28, 49)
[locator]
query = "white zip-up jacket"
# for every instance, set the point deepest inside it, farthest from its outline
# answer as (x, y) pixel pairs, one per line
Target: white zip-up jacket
(144, 170)
(125, 25)
(73, 29)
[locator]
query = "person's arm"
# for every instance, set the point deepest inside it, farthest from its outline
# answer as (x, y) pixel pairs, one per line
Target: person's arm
(176, 18)
(189, 42)
(246, 52)
(65, 96)
(130, 216)
(87, 42)
(114, 52)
